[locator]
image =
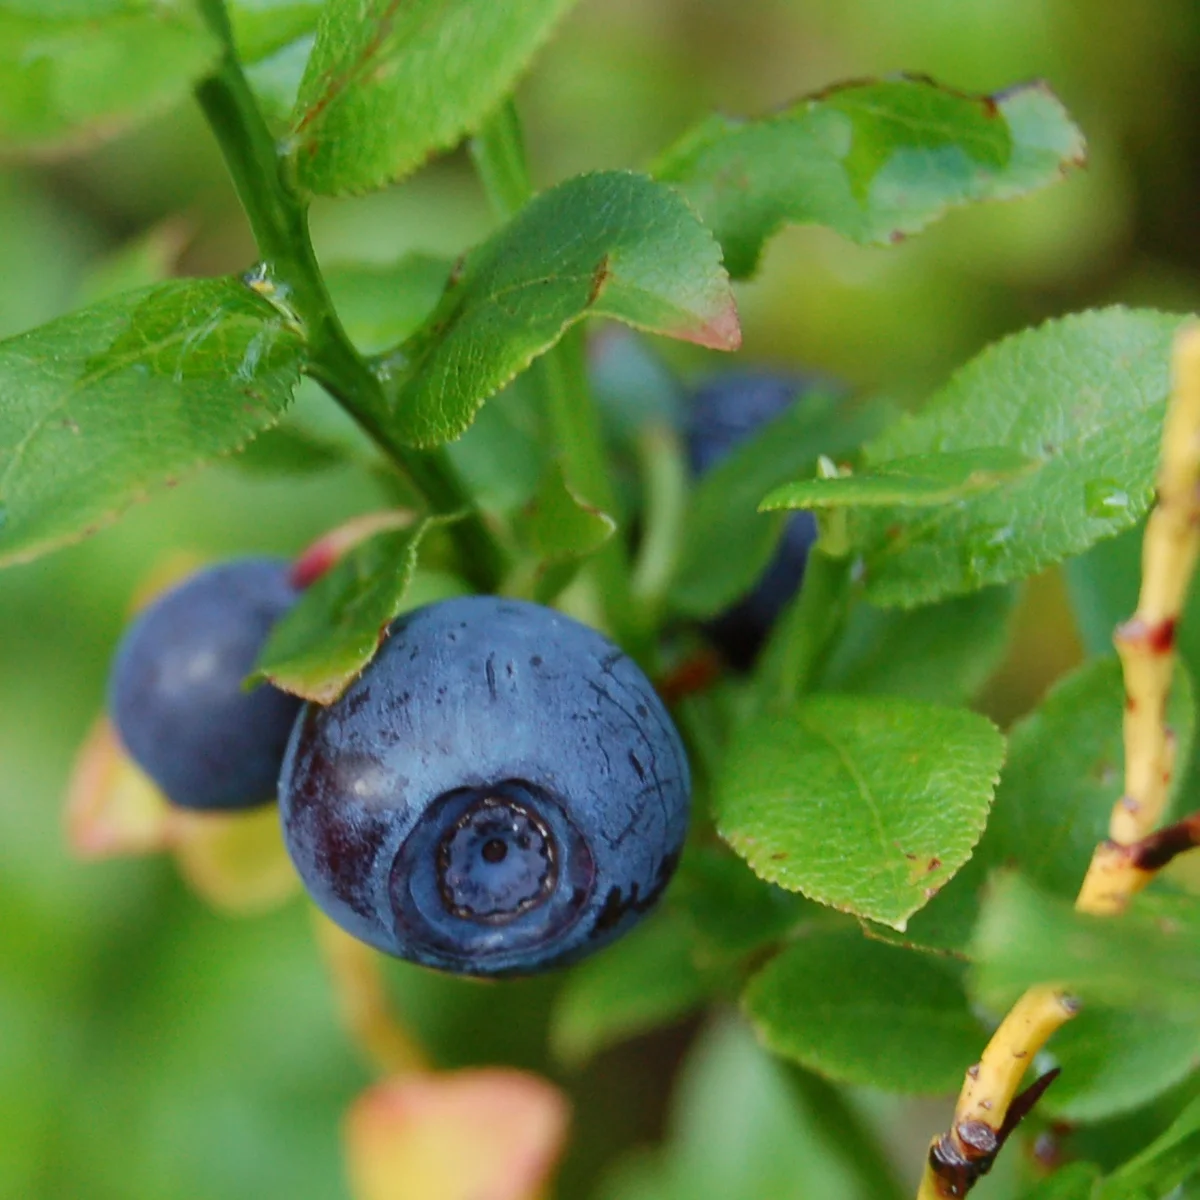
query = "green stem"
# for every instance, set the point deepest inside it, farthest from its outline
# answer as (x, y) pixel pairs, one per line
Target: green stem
(560, 376)
(809, 628)
(279, 219)
(498, 154)
(665, 484)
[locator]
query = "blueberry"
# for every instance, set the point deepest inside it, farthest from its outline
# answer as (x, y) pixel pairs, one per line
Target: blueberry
(175, 692)
(725, 411)
(500, 791)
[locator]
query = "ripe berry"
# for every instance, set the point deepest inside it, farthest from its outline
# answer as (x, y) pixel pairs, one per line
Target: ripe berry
(499, 792)
(724, 412)
(175, 692)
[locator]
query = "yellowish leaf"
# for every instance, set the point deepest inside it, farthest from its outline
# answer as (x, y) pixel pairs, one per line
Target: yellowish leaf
(234, 860)
(112, 807)
(489, 1134)
(237, 860)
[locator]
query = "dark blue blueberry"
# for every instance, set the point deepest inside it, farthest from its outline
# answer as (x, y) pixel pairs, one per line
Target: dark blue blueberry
(500, 791)
(175, 692)
(724, 412)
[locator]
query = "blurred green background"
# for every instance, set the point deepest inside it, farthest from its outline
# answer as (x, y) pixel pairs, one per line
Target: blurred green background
(150, 1048)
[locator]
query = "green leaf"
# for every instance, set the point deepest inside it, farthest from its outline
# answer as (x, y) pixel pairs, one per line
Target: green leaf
(1065, 771)
(322, 644)
(291, 450)
(70, 72)
(731, 912)
(1085, 398)
(638, 1176)
(101, 406)
(558, 525)
(922, 481)
(943, 653)
(611, 244)
(1167, 1162)
(559, 530)
(866, 804)
(382, 305)
(1103, 586)
(389, 84)
(263, 27)
(1075, 1181)
(860, 1012)
(876, 161)
(275, 81)
(723, 524)
(1148, 960)
(946, 925)
(500, 458)
(739, 1129)
(646, 980)
(1113, 1061)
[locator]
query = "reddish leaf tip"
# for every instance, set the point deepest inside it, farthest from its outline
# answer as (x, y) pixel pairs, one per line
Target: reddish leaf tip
(722, 332)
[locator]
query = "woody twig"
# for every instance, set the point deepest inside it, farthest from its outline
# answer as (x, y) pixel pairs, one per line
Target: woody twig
(988, 1107)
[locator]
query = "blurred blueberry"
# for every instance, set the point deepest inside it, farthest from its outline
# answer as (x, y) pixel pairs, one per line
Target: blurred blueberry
(725, 411)
(175, 691)
(499, 792)
(632, 385)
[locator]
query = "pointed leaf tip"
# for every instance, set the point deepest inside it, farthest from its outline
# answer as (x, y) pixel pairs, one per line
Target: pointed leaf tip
(333, 631)
(876, 160)
(868, 804)
(611, 244)
(721, 332)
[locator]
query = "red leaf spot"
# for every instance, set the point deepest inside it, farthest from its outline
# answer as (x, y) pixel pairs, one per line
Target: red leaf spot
(694, 675)
(600, 277)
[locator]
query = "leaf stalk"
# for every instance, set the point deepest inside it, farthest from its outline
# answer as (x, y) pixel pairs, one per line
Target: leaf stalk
(291, 278)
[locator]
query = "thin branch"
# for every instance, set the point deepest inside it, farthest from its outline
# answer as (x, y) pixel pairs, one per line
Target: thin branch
(986, 1113)
(291, 278)
(1131, 856)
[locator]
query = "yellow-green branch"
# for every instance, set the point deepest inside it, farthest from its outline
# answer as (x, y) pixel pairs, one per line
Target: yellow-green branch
(1133, 853)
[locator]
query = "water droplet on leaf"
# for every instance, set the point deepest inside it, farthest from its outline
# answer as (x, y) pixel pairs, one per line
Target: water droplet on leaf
(984, 551)
(1105, 498)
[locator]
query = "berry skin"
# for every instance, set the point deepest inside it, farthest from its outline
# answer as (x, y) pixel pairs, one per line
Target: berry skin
(499, 792)
(175, 691)
(724, 412)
